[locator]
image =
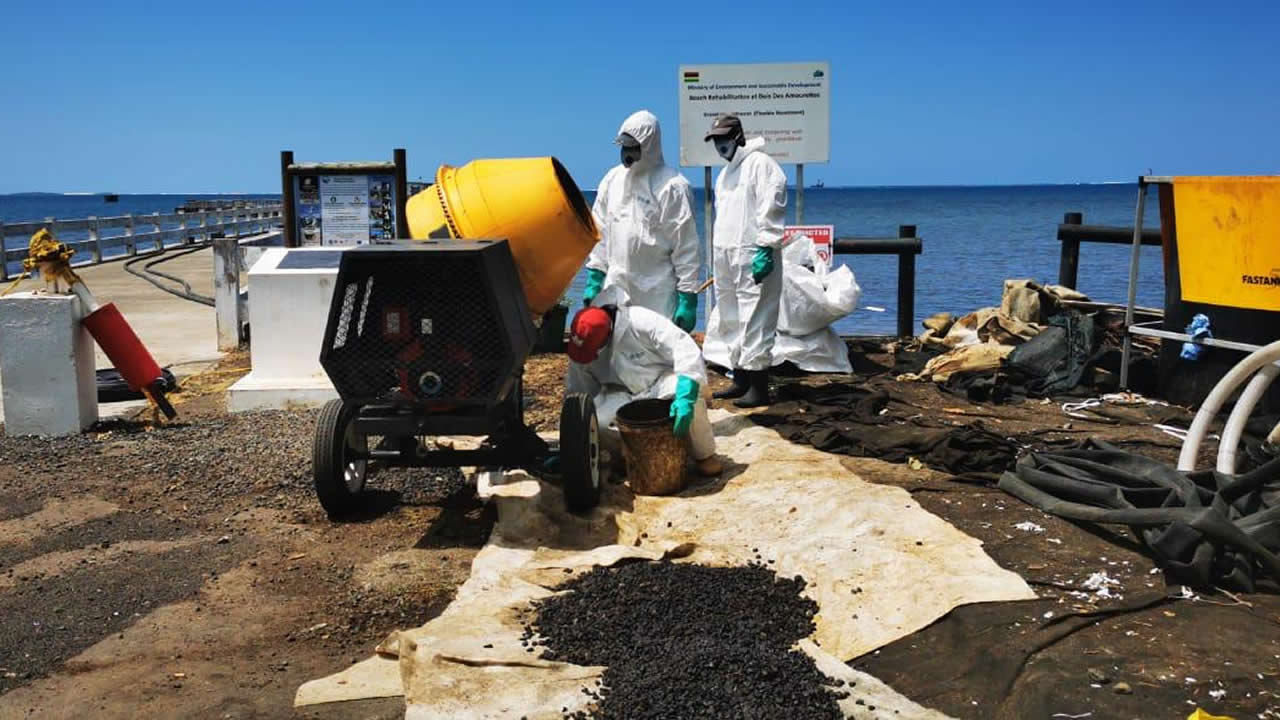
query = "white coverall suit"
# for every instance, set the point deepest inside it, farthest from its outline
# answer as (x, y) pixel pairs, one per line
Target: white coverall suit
(644, 357)
(648, 234)
(751, 204)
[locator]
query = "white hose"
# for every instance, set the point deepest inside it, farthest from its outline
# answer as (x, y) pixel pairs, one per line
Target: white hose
(1209, 409)
(1234, 429)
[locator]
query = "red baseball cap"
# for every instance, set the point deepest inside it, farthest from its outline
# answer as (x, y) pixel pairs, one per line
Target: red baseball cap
(588, 332)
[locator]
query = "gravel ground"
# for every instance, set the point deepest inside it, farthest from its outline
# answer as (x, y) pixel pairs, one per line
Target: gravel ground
(187, 570)
(688, 641)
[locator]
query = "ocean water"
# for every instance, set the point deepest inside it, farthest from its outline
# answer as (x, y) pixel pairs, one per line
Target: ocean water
(29, 207)
(974, 238)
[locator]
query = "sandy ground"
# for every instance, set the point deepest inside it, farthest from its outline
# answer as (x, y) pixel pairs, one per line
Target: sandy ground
(188, 572)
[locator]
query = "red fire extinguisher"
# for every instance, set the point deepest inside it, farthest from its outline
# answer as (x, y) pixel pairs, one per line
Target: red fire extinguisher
(122, 346)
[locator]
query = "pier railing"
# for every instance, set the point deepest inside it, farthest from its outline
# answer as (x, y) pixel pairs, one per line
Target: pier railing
(906, 246)
(120, 236)
(1073, 231)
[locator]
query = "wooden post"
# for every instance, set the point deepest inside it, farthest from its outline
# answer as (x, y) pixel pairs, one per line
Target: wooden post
(226, 291)
(286, 196)
(906, 285)
(95, 239)
(4, 254)
(130, 248)
(402, 192)
(1069, 262)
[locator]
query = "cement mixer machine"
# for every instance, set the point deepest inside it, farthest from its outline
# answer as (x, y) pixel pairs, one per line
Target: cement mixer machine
(429, 337)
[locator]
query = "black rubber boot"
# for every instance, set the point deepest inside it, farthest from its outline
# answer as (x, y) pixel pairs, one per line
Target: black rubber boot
(741, 384)
(758, 394)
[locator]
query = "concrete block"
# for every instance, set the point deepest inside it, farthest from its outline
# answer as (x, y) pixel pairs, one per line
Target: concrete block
(46, 365)
(288, 311)
(252, 393)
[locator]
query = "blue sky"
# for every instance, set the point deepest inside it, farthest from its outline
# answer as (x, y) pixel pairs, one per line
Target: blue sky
(157, 97)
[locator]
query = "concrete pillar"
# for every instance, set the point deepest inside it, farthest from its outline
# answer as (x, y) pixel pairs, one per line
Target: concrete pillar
(46, 366)
(226, 291)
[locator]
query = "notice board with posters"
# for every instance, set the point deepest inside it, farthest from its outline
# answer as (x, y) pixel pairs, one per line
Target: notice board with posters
(337, 204)
(344, 209)
(788, 104)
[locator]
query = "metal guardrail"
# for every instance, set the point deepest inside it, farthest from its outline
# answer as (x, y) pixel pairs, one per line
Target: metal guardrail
(1073, 231)
(906, 246)
(190, 226)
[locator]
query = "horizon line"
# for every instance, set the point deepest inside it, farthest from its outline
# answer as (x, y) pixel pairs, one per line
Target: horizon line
(81, 193)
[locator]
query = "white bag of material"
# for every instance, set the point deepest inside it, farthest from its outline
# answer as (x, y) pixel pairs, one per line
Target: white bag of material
(813, 299)
(820, 352)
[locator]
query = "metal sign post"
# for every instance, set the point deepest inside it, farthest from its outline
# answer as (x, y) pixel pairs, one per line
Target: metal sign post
(708, 233)
(799, 193)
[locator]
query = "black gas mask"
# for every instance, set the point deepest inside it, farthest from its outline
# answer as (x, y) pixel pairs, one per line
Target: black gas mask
(727, 145)
(630, 150)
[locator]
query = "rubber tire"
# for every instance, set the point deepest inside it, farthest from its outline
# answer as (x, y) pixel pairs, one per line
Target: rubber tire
(329, 459)
(580, 453)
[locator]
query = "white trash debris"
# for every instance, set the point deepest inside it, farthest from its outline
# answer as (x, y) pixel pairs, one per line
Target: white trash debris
(1101, 584)
(1029, 527)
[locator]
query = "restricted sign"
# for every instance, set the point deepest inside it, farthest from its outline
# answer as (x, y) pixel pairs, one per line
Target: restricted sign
(788, 104)
(823, 237)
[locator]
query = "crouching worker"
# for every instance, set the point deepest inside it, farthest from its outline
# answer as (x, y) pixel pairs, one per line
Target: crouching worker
(621, 353)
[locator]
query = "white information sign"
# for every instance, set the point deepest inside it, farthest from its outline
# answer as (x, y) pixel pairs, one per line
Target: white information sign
(788, 104)
(344, 209)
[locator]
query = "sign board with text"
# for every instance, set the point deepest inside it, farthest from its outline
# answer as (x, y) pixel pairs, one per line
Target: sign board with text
(788, 104)
(344, 209)
(823, 237)
(344, 203)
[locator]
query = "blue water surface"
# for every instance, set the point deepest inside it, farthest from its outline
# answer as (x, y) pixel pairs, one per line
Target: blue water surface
(974, 238)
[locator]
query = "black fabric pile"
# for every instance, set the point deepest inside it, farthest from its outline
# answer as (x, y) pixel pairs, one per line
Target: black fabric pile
(1051, 364)
(849, 419)
(1205, 529)
(689, 641)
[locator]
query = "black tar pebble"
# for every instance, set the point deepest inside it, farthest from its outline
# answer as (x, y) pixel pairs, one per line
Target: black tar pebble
(687, 641)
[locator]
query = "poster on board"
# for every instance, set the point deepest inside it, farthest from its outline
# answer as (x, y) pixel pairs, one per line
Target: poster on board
(788, 104)
(344, 209)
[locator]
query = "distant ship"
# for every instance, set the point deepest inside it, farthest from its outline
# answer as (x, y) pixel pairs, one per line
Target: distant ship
(818, 184)
(110, 197)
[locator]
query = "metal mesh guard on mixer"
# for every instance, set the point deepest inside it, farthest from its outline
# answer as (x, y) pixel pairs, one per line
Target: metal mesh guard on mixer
(432, 324)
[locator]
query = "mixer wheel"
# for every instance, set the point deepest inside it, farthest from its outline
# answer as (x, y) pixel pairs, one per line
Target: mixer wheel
(338, 459)
(580, 453)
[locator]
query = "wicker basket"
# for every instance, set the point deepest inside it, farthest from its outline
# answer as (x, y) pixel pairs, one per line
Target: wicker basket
(656, 458)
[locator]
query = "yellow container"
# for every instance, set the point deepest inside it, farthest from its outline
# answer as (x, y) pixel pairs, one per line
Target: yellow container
(531, 202)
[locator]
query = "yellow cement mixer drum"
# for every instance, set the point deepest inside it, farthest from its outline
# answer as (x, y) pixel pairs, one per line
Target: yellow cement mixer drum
(531, 202)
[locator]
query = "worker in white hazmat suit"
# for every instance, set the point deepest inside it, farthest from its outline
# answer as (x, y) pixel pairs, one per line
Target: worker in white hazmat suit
(648, 237)
(621, 353)
(751, 203)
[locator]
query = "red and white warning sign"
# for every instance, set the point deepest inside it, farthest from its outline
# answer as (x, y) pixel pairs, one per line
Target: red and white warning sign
(822, 235)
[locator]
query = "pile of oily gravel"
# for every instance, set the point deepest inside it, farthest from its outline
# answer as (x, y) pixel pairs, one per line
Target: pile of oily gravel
(688, 641)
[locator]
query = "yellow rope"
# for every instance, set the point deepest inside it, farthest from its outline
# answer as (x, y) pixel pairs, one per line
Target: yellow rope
(50, 257)
(14, 285)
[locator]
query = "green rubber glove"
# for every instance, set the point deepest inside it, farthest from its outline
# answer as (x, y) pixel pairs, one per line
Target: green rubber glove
(686, 311)
(761, 264)
(595, 281)
(682, 405)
